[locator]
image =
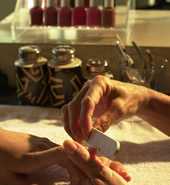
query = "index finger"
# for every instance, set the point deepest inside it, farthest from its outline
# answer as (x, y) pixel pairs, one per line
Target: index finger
(111, 177)
(98, 89)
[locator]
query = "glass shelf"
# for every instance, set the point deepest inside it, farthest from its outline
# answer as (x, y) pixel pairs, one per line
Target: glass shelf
(21, 29)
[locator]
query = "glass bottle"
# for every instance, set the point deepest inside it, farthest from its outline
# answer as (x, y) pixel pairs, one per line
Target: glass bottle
(79, 14)
(108, 14)
(64, 13)
(93, 14)
(50, 14)
(36, 13)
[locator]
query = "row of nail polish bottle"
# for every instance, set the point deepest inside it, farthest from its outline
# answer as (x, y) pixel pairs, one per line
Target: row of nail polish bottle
(80, 15)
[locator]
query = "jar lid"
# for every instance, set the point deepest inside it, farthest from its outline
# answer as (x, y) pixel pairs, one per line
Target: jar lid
(29, 53)
(95, 66)
(29, 56)
(63, 57)
(62, 54)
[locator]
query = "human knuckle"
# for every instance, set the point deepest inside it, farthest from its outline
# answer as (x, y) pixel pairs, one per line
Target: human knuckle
(99, 78)
(87, 101)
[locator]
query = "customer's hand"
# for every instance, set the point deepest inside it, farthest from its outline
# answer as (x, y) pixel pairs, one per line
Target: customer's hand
(21, 155)
(99, 170)
(101, 102)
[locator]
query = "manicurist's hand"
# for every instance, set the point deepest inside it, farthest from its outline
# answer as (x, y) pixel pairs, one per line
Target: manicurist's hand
(99, 170)
(102, 101)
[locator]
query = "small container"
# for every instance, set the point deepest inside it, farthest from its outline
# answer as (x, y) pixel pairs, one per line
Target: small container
(36, 13)
(94, 16)
(50, 14)
(65, 76)
(64, 13)
(31, 76)
(79, 14)
(108, 14)
(96, 67)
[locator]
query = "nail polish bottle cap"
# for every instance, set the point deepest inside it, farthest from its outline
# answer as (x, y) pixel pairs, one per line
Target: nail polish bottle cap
(49, 3)
(36, 3)
(108, 3)
(93, 3)
(65, 3)
(79, 3)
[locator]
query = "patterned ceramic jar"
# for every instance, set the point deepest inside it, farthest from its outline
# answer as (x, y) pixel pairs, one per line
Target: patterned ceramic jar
(31, 76)
(65, 76)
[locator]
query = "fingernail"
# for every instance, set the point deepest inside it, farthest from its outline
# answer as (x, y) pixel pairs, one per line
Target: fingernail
(128, 178)
(92, 152)
(125, 176)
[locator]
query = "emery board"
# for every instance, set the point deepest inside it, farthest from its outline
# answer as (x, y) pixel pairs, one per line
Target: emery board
(104, 145)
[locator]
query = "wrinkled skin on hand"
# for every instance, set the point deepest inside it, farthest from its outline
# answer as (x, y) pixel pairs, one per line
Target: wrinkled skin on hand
(99, 170)
(101, 102)
(22, 154)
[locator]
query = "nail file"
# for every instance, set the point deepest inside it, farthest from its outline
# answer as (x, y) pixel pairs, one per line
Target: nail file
(103, 144)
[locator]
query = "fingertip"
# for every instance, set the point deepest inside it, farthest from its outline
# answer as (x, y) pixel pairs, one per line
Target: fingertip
(70, 146)
(126, 176)
(119, 168)
(66, 142)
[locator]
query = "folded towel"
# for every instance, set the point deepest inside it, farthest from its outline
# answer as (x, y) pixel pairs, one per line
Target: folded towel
(145, 151)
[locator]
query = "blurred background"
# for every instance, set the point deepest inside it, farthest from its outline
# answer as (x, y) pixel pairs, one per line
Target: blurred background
(7, 6)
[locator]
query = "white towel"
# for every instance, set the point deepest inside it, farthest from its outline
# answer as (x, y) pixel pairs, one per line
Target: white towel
(145, 151)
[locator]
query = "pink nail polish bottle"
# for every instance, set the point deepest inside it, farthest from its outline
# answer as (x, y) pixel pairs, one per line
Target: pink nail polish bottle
(79, 14)
(50, 14)
(64, 13)
(93, 14)
(36, 13)
(108, 14)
